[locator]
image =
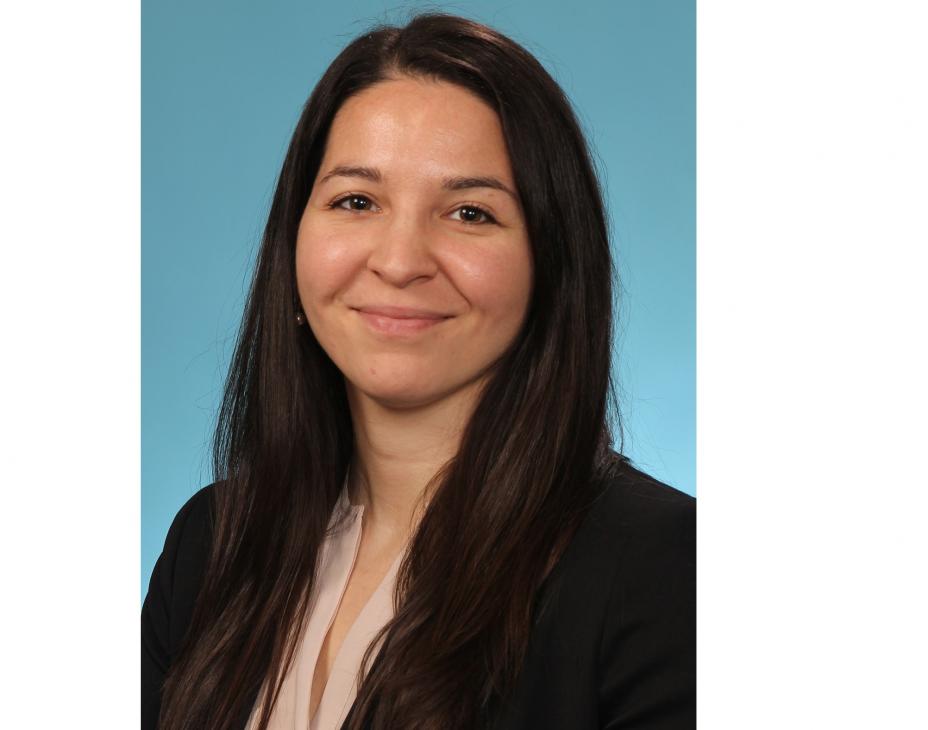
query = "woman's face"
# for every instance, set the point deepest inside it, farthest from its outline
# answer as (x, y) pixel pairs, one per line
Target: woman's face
(413, 264)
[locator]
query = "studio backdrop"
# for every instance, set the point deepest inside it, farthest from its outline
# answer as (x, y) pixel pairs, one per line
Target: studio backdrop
(223, 84)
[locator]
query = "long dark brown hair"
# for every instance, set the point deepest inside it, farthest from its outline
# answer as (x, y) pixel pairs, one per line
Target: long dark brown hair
(502, 509)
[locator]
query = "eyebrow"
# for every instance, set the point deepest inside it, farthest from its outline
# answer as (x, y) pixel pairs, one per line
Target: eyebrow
(448, 183)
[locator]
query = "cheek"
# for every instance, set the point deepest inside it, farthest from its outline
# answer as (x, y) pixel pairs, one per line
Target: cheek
(324, 263)
(497, 280)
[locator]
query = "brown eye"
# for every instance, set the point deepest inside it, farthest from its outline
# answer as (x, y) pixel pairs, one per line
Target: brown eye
(354, 203)
(474, 214)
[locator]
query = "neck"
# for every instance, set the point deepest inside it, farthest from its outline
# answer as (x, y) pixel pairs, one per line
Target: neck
(397, 453)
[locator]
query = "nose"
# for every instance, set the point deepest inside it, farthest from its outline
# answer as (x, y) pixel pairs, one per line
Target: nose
(402, 252)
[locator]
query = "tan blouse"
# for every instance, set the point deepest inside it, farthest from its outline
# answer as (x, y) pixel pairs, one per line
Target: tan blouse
(339, 551)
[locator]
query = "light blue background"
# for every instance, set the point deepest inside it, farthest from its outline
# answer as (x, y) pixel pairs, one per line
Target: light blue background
(222, 87)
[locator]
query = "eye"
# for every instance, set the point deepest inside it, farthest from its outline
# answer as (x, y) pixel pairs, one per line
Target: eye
(474, 214)
(355, 203)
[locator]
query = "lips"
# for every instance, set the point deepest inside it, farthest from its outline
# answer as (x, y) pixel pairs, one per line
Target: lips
(399, 321)
(401, 312)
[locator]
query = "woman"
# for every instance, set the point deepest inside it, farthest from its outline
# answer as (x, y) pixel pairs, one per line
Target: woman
(418, 521)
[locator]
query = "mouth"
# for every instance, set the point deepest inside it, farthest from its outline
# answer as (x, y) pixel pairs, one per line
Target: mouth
(397, 321)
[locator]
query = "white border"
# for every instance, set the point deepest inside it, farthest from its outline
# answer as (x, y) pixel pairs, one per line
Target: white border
(69, 419)
(812, 365)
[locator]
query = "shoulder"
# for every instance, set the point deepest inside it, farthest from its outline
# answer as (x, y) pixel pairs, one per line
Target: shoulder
(634, 525)
(633, 511)
(646, 654)
(618, 610)
(643, 534)
(172, 591)
(191, 530)
(194, 516)
(187, 545)
(178, 573)
(634, 547)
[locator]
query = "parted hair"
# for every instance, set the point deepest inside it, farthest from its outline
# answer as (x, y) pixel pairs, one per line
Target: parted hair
(501, 511)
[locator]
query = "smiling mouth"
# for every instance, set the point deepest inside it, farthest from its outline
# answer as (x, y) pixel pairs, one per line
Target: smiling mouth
(398, 322)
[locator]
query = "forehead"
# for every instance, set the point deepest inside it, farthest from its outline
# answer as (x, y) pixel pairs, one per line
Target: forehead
(414, 126)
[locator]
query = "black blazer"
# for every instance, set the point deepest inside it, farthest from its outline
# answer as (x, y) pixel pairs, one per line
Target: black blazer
(614, 640)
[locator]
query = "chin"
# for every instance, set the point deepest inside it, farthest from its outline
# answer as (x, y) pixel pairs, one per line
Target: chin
(395, 379)
(398, 394)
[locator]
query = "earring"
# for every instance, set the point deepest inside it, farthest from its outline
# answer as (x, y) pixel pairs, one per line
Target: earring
(300, 319)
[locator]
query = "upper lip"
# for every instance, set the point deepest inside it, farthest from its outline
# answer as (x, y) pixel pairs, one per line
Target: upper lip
(402, 312)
